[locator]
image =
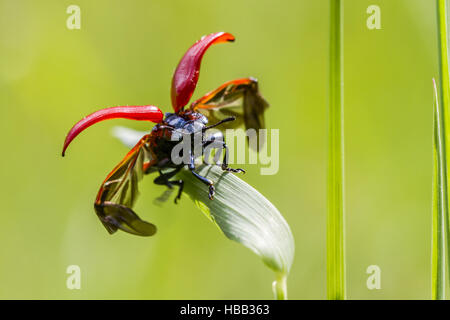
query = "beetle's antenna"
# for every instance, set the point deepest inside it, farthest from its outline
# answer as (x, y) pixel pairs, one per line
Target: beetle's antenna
(219, 123)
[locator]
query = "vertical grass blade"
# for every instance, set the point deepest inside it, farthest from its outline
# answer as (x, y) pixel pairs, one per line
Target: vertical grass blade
(440, 202)
(335, 197)
(444, 96)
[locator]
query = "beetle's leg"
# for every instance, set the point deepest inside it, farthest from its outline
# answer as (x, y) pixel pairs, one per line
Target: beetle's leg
(206, 181)
(205, 144)
(163, 179)
(180, 184)
(225, 166)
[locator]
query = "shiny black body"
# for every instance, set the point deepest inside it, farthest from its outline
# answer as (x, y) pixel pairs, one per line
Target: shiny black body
(167, 134)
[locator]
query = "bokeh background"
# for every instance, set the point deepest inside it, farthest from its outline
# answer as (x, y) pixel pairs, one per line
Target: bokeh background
(125, 53)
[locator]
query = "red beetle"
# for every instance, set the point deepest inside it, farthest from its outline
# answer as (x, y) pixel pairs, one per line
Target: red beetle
(237, 102)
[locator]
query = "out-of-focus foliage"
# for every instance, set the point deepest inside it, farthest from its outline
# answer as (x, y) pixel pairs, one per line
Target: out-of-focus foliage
(125, 53)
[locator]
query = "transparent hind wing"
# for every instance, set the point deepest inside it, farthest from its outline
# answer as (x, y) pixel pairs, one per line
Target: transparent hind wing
(119, 192)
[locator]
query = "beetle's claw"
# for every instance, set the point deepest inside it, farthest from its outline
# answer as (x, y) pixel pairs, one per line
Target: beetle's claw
(212, 191)
(228, 169)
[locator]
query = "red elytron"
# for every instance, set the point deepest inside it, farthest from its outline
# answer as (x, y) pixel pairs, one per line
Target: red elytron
(235, 103)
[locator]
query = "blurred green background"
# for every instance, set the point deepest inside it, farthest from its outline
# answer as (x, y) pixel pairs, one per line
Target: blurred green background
(125, 53)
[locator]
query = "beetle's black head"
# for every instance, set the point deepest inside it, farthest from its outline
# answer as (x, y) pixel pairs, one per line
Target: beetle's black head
(182, 120)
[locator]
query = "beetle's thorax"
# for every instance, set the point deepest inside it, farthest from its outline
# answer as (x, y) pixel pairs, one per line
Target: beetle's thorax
(169, 132)
(175, 125)
(185, 121)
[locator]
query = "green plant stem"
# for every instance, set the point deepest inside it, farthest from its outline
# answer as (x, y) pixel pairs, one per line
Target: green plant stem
(440, 202)
(444, 98)
(280, 287)
(335, 201)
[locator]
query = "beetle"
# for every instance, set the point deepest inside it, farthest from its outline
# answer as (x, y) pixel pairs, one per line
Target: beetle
(233, 104)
